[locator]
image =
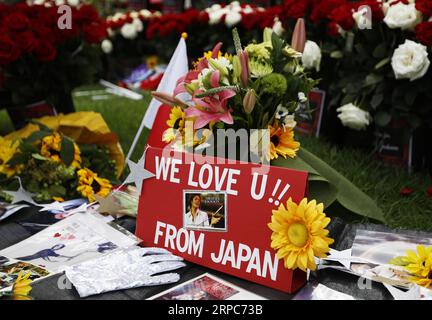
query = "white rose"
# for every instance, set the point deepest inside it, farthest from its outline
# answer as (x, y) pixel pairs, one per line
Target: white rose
(232, 19)
(362, 18)
(404, 16)
(138, 25)
(248, 9)
(106, 46)
(216, 7)
(311, 57)
(410, 61)
(353, 117)
(59, 2)
(277, 27)
(214, 17)
(128, 31)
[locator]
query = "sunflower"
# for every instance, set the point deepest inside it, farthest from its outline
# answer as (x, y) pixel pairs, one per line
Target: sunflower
(299, 233)
(8, 149)
(51, 147)
(90, 184)
(419, 265)
(282, 142)
(176, 124)
(21, 287)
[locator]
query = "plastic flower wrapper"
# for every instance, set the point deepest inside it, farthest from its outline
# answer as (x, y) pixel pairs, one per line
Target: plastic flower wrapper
(125, 269)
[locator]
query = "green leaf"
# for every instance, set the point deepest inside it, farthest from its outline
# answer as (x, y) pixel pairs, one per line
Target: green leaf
(37, 156)
(19, 158)
(336, 54)
(380, 51)
(382, 63)
(373, 79)
(341, 189)
(36, 136)
(376, 100)
(67, 151)
(382, 118)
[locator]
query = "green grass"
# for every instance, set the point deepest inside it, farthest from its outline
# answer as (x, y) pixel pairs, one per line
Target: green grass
(379, 181)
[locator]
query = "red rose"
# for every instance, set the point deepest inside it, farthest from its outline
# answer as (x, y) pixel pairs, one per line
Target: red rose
(9, 51)
(295, 8)
(42, 32)
(95, 32)
(424, 6)
(429, 192)
(17, 22)
(86, 14)
(406, 191)
(45, 51)
(343, 16)
(424, 33)
(26, 41)
(322, 9)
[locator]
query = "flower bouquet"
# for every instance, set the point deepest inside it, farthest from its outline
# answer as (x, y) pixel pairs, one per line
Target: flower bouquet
(42, 59)
(259, 90)
(55, 160)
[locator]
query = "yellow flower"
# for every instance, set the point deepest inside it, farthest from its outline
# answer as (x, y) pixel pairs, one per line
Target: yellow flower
(152, 62)
(419, 265)
(208, 55)
(51, 147)
(299, 233)
(8, 148)
(176, 124)
(282, 142)
(21, 287)
(90, 184)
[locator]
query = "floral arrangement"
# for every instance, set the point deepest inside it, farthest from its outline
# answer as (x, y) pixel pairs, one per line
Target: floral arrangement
(261, 87)
(39, 60)
(418, 265)
(53, 166)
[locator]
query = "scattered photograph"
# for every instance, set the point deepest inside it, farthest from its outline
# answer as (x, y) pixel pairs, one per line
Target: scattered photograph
(380, 247)
(205, 210)
(206, 287)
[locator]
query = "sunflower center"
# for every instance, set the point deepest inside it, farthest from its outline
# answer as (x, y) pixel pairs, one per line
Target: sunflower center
(95, 186)
(275, 140)
(298, 234)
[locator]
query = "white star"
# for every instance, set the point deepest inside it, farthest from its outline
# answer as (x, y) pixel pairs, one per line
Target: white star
(21, 195)
(57, 206)
(137, 173)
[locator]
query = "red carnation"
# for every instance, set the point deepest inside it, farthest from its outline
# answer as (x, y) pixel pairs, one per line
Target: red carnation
(9, 51)
(429, 191)
(86, 14)
(26, 41)
(406, 191)
(425, 7)
(45, 51)
(424, 33)
(17, 22)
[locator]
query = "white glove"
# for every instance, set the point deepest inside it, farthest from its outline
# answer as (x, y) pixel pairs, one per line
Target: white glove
(124, 269)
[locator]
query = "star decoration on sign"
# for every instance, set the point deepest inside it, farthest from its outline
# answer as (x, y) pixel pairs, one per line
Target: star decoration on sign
(137, 173)
(108, 204)
(55, 206)
(21, 195)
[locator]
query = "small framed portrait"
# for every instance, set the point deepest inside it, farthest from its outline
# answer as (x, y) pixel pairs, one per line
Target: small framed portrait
(205, 210)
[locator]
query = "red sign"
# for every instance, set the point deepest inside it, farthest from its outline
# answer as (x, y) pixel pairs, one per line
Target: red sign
(216, 215)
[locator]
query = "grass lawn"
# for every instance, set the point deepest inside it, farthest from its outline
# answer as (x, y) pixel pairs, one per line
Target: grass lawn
(380, 181)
